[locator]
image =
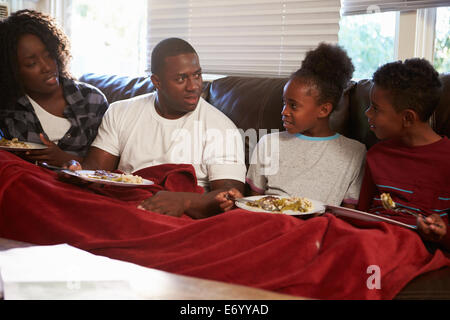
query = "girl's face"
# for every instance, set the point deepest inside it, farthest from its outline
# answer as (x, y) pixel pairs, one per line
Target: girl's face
(300, 111)
(383, 119)
(38, 71)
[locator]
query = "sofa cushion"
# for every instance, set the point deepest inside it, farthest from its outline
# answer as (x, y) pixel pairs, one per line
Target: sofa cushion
(251, 103)
(119, 87)
(359, 95)
(441, 117)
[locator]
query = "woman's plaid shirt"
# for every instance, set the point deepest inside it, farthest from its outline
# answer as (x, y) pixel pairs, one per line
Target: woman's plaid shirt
(85, 109)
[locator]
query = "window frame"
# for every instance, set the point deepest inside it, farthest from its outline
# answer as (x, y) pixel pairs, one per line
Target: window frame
(419, 44)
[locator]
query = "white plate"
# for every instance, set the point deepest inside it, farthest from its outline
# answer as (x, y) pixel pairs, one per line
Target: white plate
(318, 207)
(31, 145)
(84, 175)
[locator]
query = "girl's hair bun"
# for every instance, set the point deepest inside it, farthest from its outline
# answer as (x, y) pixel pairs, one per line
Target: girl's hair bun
(329, 63)
(329, 69)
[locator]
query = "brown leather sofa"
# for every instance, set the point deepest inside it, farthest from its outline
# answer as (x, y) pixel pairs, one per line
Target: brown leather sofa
(256, 103)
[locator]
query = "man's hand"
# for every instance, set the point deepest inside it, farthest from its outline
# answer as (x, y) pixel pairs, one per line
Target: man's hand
(226, 199)
(195, 205)
(167, 203)
(53, 155)
(431, 228)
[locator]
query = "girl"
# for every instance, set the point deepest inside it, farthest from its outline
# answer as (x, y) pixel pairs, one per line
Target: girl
(39, 101)
(310, 159)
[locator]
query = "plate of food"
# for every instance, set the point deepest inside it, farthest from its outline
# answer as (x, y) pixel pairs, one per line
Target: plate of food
(294, 206)
(110, 178)
(15, 145)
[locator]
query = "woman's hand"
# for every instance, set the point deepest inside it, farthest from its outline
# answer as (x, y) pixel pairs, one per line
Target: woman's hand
(72, 165)
(53, 155)
(431, 228)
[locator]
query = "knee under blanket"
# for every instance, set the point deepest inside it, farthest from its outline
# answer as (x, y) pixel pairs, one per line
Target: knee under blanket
(323, 257)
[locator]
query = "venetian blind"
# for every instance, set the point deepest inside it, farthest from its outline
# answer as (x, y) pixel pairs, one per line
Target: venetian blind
(350, 7)
(245, 37)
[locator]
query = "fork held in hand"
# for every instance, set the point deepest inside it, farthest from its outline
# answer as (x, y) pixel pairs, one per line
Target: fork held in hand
(389, 204)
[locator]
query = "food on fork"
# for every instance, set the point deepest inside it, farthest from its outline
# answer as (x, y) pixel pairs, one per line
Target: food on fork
(116, 177)
(387, 201)
(14, 142)
(276, 204)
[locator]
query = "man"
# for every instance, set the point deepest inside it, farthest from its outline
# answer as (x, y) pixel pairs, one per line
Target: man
(173, 125)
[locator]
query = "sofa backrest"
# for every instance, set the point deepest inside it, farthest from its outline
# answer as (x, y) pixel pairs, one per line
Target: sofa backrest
(256, 103)
(117, 88)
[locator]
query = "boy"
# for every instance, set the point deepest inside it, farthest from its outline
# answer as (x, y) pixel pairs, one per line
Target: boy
(412, 164)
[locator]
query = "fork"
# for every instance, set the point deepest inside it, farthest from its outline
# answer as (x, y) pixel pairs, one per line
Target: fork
(389, 204)
(240, 200)
(50, 167)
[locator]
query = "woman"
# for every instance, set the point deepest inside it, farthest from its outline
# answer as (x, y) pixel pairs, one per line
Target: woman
(40, 101)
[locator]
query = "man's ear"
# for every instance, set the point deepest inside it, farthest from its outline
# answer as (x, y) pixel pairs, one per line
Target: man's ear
(325, 109)
(155, 80)
(409, 117)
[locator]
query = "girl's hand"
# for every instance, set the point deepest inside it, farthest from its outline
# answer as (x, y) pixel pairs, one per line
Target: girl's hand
(226, 199)
(53, 155)
(431, 228)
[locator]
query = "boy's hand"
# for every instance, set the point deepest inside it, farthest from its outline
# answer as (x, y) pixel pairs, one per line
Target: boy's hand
(226, 199)
(431, 228)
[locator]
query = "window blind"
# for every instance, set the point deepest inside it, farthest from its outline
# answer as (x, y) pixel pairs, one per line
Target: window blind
(245, 37)
(351, 7)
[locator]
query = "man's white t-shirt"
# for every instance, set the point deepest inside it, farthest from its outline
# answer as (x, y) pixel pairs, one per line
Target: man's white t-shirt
(134, 131)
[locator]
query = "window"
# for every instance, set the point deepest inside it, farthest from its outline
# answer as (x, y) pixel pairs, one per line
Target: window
(108, 36)
(369, 40)
(251, 37)
(442, 41)
(397, 30)
(270, 36)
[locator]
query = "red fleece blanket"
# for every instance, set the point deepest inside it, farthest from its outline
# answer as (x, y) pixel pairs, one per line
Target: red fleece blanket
(323, 257)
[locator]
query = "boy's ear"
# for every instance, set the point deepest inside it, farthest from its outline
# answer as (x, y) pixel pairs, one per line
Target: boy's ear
(325, 109)
(409, 117)
(155, 80)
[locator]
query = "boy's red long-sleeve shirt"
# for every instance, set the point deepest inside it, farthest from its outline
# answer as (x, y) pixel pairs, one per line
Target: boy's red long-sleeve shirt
(417, 178)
